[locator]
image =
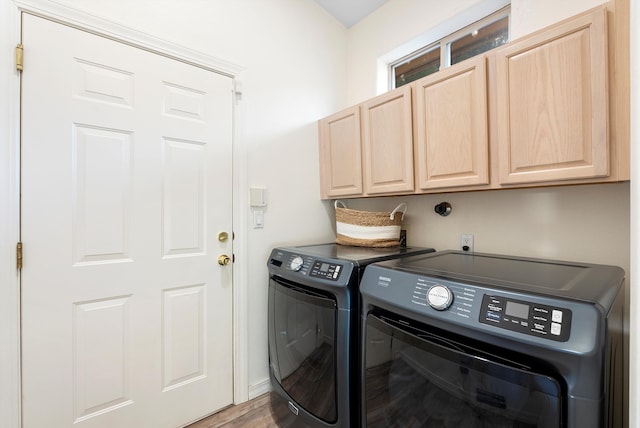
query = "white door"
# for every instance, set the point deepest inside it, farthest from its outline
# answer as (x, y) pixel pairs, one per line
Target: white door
(126, 182)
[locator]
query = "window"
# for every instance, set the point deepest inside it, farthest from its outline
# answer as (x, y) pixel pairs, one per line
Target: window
(470, 41)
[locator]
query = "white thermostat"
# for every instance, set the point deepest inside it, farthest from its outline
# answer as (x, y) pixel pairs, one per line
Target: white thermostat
(258, 197)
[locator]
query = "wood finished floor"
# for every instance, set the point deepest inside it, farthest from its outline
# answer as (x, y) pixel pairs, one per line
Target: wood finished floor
(256, 413)
(315, 373)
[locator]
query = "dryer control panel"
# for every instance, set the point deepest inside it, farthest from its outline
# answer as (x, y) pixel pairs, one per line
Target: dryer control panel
(326, 270)
(526, 317)
(310, 270)
(305, 265)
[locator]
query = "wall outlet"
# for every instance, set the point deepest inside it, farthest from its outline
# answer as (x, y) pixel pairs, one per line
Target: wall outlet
(466, 242)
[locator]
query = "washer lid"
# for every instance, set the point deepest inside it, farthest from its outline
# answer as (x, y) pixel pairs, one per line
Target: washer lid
(581, 281)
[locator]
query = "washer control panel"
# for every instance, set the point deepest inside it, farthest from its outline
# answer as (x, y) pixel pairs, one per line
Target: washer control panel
(326, 270)
(439, 297)
(470, 305)
(449, 298)
(526, 317)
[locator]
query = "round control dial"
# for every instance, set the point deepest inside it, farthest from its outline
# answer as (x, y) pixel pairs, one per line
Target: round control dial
(296, 263)
(439, 297)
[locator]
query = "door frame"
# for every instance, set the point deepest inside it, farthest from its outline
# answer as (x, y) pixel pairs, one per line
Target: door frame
(10, 410)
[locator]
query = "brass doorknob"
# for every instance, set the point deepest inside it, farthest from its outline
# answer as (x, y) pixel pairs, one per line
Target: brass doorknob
(224, 260)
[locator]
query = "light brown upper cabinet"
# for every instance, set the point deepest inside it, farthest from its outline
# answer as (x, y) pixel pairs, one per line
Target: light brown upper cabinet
(340, 154)
(551, 108)
(451, 125)
(552, 103)
(368, 149)
(387, 142)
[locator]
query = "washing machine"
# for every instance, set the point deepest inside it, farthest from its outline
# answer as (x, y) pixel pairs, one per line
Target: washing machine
(313, 331)
(456, 339)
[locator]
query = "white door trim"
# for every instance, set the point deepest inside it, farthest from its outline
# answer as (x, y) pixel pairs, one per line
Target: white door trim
(96, 25)
(106, 28)
(10, 405)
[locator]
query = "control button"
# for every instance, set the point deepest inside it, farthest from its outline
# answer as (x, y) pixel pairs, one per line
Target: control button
(556, 316)
(296, 263)
(556, 328)
(439, 297)
(493, 316)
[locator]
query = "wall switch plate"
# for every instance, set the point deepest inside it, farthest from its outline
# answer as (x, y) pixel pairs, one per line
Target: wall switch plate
(466, 242)
(258, 219)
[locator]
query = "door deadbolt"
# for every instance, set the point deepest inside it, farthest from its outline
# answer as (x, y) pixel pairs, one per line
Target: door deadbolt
(223, 236)
(224, 260)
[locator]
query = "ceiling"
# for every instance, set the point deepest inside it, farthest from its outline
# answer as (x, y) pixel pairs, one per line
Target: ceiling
(349, 12)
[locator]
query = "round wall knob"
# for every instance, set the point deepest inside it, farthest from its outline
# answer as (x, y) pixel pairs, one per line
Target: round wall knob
(224, 260)
(443, 209)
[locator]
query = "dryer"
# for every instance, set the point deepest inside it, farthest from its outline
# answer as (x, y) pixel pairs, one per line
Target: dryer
(314, 331)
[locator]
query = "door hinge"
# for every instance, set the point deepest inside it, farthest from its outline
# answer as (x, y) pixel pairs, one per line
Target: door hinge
(19, 255)
(19, 57)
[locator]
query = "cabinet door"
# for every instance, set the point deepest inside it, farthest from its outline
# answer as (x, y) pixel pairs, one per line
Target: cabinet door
(552, 103)
(340, 154)
(388, 143)
(452, 144)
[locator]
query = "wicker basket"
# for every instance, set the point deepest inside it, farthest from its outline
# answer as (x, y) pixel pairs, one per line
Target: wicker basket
(368, 229)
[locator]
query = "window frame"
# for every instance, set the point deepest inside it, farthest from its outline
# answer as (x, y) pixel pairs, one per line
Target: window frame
(445, 43)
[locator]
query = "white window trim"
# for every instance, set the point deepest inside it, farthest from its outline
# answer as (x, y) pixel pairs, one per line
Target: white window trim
(445, 42)
(391, 75)
(439, 31)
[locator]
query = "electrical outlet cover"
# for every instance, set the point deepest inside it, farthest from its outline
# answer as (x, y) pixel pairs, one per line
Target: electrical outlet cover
(466, 242)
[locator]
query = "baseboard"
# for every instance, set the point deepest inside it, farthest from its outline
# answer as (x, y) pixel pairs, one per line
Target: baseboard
(257, 389)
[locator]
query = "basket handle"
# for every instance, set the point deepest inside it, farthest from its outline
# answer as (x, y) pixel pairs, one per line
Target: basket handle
(402, 206)
(338, 201)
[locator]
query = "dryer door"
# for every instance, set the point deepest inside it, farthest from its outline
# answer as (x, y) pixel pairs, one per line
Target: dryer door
(302, 349)
(415, 377)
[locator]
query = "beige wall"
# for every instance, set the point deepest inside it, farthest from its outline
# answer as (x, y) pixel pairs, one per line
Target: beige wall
(528, 16)
(581, 223)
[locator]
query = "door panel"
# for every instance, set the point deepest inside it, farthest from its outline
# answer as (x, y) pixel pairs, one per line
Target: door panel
(340, 154)
(126, 181)
(302, 347)
(388, 143)
(452, 142)
(552, 103)
(434, 377)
